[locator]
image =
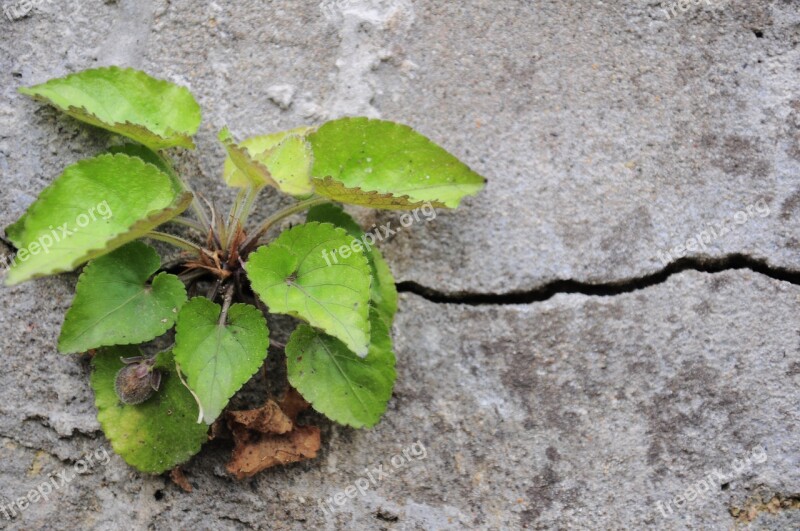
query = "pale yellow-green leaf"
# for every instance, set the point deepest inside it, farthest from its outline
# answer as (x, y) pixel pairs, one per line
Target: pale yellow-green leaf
(282, 160)
(157, 113)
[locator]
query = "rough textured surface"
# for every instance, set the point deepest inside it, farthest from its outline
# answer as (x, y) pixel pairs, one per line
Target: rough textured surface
(579, 411)
(609, 133)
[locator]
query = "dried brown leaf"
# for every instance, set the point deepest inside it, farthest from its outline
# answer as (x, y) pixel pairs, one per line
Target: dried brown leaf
(293, 403)
(256, 452)
(177, 477)
(219, 430)
(267, 419)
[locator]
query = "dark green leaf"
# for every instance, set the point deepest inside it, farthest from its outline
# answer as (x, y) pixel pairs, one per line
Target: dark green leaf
(344, 387)
(116, 305)
(153, 436)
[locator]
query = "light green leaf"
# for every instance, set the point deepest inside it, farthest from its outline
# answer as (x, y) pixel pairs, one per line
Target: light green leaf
(280, 159)
(383, 291)
(157, 434)
(339, 192)
(219, 357)
(157, 113)
(304, 273)
(97, 205)
(340, 385)
(15, 231)
(150, 156)
(387, 158)
(251, 172)
(115, 305)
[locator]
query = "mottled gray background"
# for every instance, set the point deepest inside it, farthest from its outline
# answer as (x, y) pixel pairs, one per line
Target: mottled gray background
(609, 132)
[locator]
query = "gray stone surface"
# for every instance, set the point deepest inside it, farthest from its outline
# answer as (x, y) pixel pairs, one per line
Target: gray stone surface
(609, 133)
(579, 412)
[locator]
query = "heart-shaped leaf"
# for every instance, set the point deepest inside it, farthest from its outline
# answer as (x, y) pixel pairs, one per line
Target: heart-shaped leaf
(157, 113)
(95, 206)
(383, 292)
(375, 158)
(219, 355)
(340, 385)
(311, 272)
(153, 436)
(115, 305)
(281, 159)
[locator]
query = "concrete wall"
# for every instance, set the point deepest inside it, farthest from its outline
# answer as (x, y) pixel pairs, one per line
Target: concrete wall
(558, 370)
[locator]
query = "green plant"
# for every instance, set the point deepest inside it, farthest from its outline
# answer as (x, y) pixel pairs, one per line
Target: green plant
(156, 410)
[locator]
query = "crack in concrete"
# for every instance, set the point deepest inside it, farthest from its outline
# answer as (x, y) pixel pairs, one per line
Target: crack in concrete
(549, 290)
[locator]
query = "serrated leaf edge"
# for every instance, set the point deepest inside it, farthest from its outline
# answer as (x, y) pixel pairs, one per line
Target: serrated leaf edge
(194, 450)
(179, 204)
(328, 181)
(345, 234)
(435, 202)
(82, 281)
(170, 132)
(231, 145)
(249, 377)
(357, 425)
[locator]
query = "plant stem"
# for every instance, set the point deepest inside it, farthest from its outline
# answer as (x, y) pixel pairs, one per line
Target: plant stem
(250, 198)
(241, 208)
(192, 275)
(237, 205)
(199, 212)
(192, 224)
(226, 304)
(177, 241)
(279, 215)
(214, 290)
(213, 224)
(221, 229)
(196, 207)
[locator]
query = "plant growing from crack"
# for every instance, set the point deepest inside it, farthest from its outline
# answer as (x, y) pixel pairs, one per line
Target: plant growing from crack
(156, 410)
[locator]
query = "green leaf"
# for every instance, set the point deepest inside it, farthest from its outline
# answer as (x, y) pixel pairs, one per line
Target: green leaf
(383, 292)
(219, 357)
(281, 159)
(339, 192)
(156, 435)
(115, 305)
(95, 206)
(303, 273)
(150, 156)
(335, 215)
(387, 158)
(251, 172)
(340, 385)
(154, 112)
